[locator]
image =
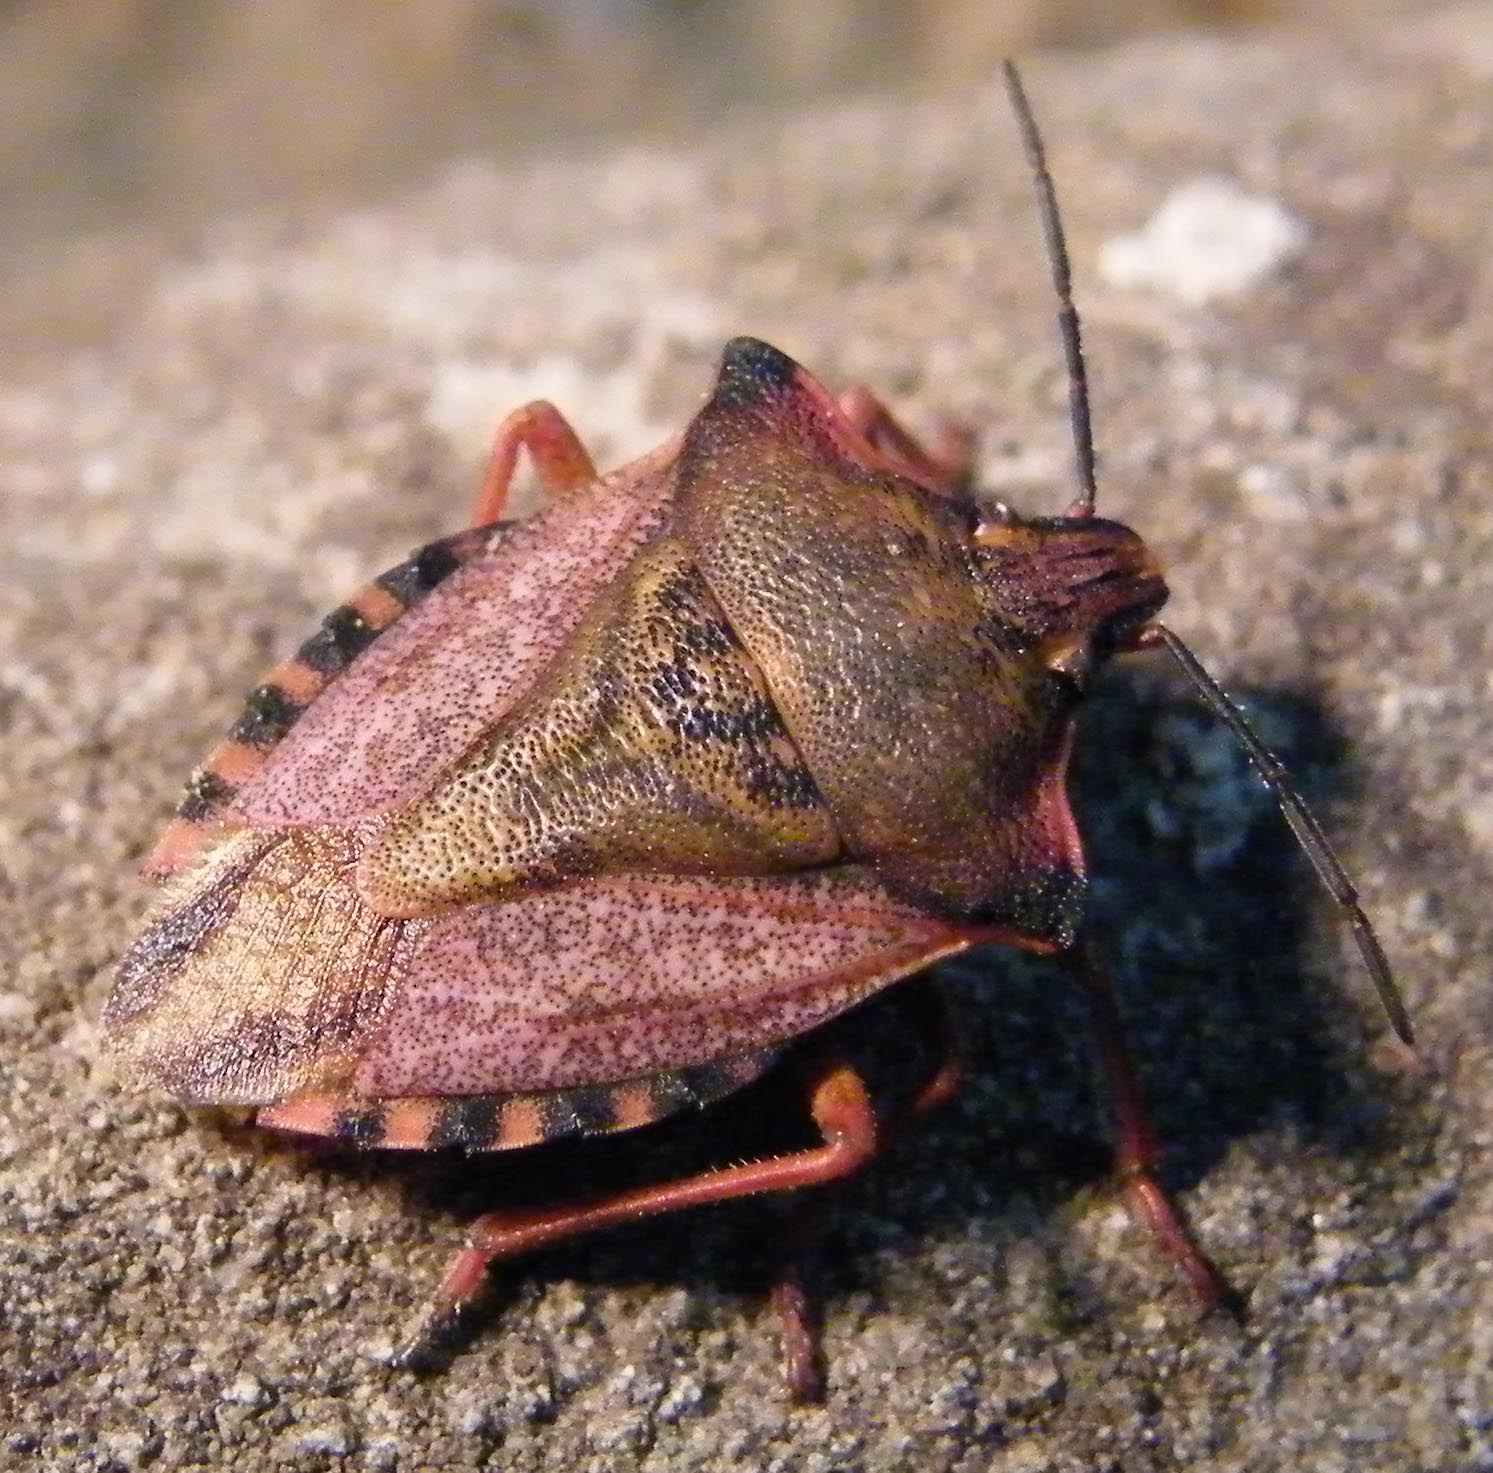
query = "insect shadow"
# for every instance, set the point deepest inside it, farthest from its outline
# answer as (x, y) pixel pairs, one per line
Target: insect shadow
(1239, 1002)
(1242, 1001)
(1205, 913)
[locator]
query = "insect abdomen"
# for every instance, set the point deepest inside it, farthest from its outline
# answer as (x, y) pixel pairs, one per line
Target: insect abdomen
(505, 1122)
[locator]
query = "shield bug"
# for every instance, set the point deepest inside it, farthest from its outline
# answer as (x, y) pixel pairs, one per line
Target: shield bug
(566, 824)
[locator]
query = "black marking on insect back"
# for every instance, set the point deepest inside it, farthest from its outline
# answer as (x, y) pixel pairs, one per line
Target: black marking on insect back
(744, 727)
(267, 715)
(206, 792)
(425, 568)
(1047, 906)
(471, 1122)
(699, 1084)
(362, 1127)
(758, 391)
(271, 710)
(402, 582)
(721, 1076)
(498, 1122)
(757, 719)
(671, 1092)
(706, 637)
(674, 681)
(592, 1109)
(751, 371)
(558, 1115)
(343, 636)
(437, 561)
(750, 727)
(779, 786)
(345, 633)
(608, 698)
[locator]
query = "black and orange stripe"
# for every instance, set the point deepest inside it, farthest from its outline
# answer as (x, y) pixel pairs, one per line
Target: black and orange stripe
(506, 1122)
(274, 706)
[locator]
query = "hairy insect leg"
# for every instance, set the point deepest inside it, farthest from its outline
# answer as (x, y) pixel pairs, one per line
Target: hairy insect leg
(561, 462)
(948, 465)
(841, 1108)
(797, 1313)
(1137, 1149)
(947, 1044)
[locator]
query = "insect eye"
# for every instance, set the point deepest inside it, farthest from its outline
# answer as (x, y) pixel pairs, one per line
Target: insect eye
(1070, 661)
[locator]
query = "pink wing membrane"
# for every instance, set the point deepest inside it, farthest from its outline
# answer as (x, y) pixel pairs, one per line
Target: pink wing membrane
(626, 976)
(458, 661)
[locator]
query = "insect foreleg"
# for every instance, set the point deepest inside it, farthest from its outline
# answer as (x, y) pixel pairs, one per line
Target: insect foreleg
(1136, 1147)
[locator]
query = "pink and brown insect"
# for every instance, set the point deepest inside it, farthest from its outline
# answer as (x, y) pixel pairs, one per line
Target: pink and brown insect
(565, 825)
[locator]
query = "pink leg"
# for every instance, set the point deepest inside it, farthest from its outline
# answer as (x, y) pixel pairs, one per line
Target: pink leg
(802, 1360)
(948, 466)
(943, 1081)
(841, 1109)
(559, 457)
(1136, 1148)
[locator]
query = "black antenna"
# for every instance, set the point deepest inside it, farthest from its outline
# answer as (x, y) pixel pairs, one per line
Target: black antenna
(1304, 825)
(1062, 280)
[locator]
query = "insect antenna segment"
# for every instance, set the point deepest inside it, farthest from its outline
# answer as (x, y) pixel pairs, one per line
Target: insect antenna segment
(1062, 280)
(1304, 825)
(1309, 835)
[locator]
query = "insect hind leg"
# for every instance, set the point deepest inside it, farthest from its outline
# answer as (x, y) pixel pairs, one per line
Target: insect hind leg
(932, 1011)
(841, 1109)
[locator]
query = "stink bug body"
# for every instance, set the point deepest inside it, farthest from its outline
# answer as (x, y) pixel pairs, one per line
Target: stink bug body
(563, 825)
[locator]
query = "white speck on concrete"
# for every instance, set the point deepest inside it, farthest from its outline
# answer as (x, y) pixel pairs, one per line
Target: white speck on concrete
(1208, 239)
(687, 1395)
(246, 1391)
(17, 1007)
(1276, 492)
(327, 1439)
(1477, 822)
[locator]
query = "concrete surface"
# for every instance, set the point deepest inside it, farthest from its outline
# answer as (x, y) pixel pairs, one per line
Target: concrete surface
(301, 402)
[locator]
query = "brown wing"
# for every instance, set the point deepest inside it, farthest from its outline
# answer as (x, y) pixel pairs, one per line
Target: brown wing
(259, 974)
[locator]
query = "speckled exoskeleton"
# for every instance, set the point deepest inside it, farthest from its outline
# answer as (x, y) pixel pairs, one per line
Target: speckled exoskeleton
(565, 824)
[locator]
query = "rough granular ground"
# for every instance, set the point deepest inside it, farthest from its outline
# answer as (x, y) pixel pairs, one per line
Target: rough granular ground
(299, 403)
